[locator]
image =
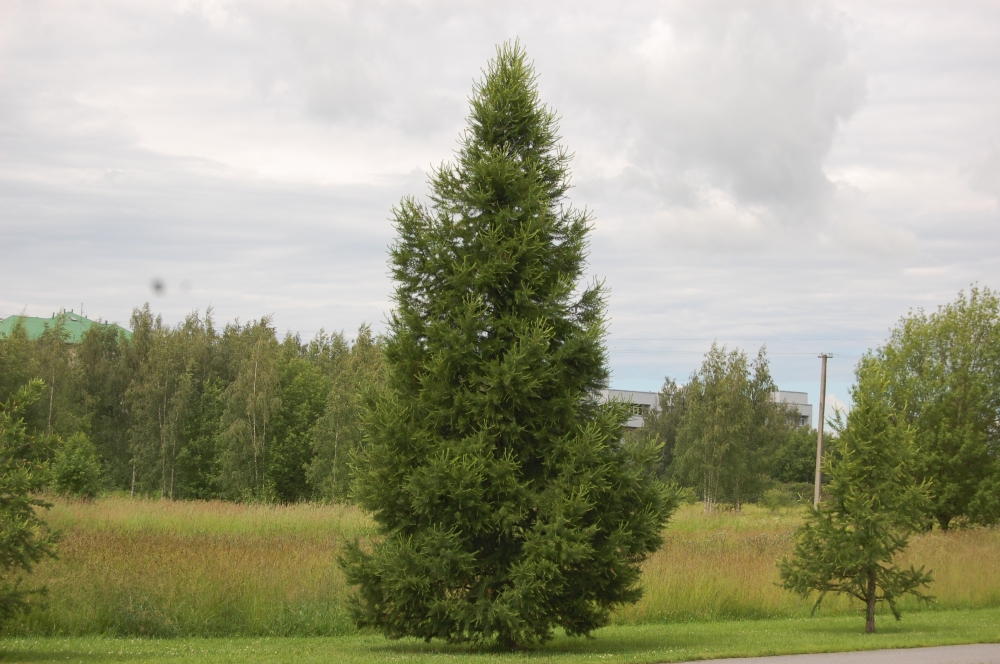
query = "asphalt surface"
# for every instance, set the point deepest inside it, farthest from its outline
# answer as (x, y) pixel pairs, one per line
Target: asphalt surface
(984, 653)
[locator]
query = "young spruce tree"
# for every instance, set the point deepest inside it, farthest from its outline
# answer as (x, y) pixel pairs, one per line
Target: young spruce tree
(506, 502)
(848, 545)
(24, 538)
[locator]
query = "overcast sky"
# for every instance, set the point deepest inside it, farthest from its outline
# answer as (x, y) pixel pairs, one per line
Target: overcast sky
(792, 173)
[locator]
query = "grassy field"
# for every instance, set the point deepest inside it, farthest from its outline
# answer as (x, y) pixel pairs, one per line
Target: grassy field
(162, 568)
(633, 644)
(180, 569)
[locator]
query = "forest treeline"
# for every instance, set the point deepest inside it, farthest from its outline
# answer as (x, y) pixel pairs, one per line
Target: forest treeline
(195, 411)
(198, 411)
(723, 435)
(939, 384)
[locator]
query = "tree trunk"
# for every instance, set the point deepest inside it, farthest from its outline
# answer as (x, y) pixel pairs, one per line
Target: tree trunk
(870, 597)
(163, 445)
(252, 416)
(52, 394)
(710, 485)
(506, 642)
(336, 442)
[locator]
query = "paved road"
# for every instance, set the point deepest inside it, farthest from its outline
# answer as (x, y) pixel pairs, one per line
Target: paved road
(973, 654)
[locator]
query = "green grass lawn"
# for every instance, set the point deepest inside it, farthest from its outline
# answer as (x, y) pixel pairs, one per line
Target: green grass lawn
(639, 643)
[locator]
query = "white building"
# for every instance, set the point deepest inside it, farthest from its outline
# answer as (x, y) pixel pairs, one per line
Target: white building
(800, 411)
(642, 403)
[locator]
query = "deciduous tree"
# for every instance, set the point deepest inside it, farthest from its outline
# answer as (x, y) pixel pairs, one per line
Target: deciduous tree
(76, 470)
(944, 377)
(338, 435)
(53, 364)
(103, 381)
(253, 401)
(304, 390)
(660, 425)
(729, 428)
(160, 398)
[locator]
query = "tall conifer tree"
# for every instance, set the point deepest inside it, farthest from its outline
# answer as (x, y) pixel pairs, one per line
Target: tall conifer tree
(506, 502)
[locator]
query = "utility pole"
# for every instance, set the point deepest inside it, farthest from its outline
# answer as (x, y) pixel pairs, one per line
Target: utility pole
(819, 431)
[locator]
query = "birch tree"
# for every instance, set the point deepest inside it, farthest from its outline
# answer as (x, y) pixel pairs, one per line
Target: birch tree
(729, 427)
(252, 402)
(943, 372)
(338, 435)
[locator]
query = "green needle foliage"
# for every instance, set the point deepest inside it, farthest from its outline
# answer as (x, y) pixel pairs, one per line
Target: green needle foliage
(506, 501)
(24, 538)
(874, 504)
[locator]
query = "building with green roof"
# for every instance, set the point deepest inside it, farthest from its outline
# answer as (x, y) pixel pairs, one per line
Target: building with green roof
(75, 325)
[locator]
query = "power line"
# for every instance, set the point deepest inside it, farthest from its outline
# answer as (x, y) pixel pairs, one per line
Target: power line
(698, 352)
(749, 339)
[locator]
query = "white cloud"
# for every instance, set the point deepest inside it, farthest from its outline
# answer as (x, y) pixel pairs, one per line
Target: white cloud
(834, 405)
(749, 101)
(864, 233)
(985, 173)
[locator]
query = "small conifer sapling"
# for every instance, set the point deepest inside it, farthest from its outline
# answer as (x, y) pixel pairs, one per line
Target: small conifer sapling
(24, 538)
(848, 544)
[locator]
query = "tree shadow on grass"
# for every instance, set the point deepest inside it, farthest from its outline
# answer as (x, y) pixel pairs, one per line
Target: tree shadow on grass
(694, 640)
(25, 655)
(885, 625)
(613, 641)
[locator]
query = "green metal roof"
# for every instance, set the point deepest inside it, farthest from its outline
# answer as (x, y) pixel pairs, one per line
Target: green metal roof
(74, 324)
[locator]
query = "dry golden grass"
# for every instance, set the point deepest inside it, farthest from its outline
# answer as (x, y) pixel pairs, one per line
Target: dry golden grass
(212, 568)
(722, 566)
(195, 568)
(121, 513)
(966, 565)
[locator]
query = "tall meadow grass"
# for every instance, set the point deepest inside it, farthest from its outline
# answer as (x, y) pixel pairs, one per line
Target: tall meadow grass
(722, 566)
(161, 568)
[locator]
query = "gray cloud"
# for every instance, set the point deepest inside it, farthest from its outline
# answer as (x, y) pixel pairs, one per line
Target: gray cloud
(726, 100)
(782, 170)
(985, 173)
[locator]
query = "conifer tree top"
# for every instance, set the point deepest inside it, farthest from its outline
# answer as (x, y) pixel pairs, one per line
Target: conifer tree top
(509, 120)
(498, 229)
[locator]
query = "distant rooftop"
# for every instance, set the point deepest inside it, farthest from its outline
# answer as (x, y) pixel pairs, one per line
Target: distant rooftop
(74, 324)
(640, 403)
(800, 411)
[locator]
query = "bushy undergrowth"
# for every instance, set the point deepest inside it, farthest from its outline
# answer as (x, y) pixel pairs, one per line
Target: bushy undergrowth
(161, 568)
